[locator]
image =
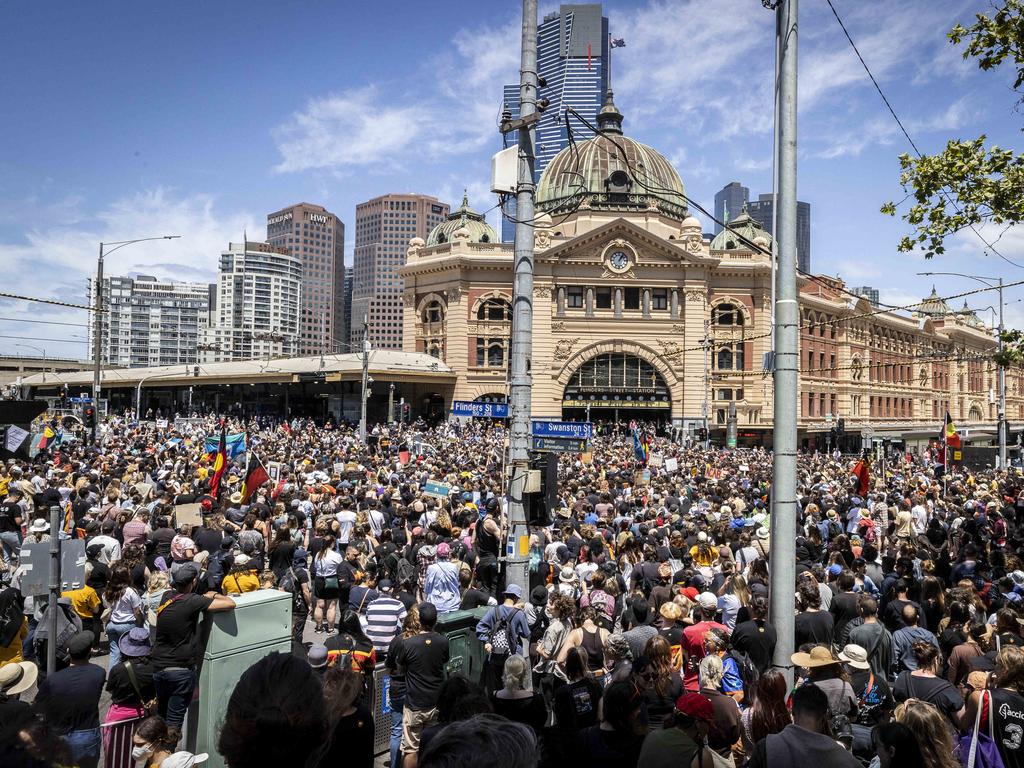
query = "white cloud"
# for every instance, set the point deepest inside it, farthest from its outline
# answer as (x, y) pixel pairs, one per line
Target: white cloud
(346, 130)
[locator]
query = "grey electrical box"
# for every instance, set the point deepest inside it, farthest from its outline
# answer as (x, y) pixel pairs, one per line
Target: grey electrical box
(36, 560)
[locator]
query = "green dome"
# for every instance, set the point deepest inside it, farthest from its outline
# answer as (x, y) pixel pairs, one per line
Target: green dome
(934, 306)
(743, 225)
(612, 171)
(463, 217)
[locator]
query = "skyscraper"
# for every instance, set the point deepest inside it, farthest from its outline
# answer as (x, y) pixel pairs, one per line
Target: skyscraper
(572, 59)
(869, 293)
(384, 226)
(345, 329)
(257, 304)
(729, 202)
(763, 209)
(150, 321)
(316, 237)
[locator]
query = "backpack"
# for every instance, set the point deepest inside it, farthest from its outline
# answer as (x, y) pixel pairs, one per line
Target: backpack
(290, 582)
(867, 531)
(502, 639)
(405, 572)
(834, 529)
(747, 669)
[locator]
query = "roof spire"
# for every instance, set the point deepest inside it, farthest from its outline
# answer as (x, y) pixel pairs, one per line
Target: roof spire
(465, 199)
(609, 119)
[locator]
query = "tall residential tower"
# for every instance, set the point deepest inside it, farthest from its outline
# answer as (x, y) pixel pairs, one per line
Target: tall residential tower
(572, 59)
(384, 227)
(729, 202)
(763, 211)
(316, 237)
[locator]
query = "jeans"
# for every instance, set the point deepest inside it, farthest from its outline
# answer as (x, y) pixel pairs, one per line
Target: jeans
(11, 543)
(28, 647)
(114, 633)
(84, 747)
(397, 705)
(174, 689)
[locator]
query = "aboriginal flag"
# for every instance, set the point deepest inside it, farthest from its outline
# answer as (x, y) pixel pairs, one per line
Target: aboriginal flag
(220, 461)
(255, 476)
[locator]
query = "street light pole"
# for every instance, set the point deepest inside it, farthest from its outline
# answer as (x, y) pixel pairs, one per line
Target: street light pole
(520, 379)
(97, 342)
(366, 379)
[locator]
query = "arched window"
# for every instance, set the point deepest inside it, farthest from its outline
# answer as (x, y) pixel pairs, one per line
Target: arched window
(485, 238)
(724, 361)
(727, 314)
(494, 309)
(490, 352)
(433, 312)
(434, 349)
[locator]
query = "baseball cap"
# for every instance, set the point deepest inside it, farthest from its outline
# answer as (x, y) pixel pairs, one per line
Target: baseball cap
(384, 585)
(707, 600)
(443, 550)
(80, 644)
(185, 575)
(514, 590)
(835, 569)
(694, 706)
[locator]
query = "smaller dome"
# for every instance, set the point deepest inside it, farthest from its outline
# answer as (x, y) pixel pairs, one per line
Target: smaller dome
(690, 223)
(461, 221)
(741, 232)
(933, 306)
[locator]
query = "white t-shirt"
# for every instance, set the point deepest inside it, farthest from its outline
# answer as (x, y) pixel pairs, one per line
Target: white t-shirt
(328, 564)
(920, 514)
(123, 611)
(376, 518)
(346, 519)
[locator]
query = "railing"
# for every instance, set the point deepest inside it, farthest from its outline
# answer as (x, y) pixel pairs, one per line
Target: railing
(117, 743)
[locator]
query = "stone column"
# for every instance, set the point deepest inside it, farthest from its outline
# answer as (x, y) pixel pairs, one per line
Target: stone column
(674, 306)
(560, 302)
(645, 302)
(617, 301)
(588, 302)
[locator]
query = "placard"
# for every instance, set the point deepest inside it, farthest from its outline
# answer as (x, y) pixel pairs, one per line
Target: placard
(188, 514)
(434, 488)
(671, 464)
(655, 460)
(274, 470)
(143, 489)
(15, 437)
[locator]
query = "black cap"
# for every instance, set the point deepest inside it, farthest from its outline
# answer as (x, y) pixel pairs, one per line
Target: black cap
(185, 575)
(80, 644)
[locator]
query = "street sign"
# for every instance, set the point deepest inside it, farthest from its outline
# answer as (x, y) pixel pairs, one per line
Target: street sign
(35, 560)
(480, 410)
(579, 430)
(559, 444)
(867, 432)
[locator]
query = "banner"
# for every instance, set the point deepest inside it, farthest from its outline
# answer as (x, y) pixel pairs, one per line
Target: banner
(235, 444)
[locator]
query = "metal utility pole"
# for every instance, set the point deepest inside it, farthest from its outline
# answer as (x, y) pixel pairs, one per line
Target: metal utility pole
(51, 607)
(391, 402)
(783, 492)
(97, 344)
(517, 554)
(1001, 416)
(366, 380)
(705, 408)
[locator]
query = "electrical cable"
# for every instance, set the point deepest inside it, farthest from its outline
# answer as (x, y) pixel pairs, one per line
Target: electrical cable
(4, 295)
(899, 122)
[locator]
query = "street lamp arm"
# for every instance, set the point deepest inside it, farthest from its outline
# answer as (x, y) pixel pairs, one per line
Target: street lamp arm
(123, 243)
(983, 280)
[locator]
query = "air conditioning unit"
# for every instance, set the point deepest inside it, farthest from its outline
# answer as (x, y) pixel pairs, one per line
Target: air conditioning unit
(505, 171)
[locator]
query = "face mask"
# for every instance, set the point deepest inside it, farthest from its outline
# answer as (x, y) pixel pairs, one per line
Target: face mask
(141, 753)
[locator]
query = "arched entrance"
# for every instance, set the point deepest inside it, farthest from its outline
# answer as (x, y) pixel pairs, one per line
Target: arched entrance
(617, 386)
(432, 407)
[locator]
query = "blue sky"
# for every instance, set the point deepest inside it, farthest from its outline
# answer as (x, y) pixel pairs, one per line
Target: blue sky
(128, 120)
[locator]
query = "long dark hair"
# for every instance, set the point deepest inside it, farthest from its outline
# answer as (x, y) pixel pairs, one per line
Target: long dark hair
(119, 581)
(768, 713)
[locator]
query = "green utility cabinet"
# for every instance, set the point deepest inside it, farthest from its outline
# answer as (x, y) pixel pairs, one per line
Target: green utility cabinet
(234, 641)
(465, 652)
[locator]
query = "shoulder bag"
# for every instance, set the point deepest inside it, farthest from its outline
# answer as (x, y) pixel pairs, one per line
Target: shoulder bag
(979, 750)
(149, 706)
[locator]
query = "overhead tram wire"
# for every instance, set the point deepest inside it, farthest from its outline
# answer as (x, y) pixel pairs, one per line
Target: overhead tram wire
(5, 295)
(874, 82)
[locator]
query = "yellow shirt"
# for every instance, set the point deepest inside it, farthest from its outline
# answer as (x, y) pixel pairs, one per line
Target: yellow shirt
(240, 583)
(12, 653)
(85, 601)
(704, 562)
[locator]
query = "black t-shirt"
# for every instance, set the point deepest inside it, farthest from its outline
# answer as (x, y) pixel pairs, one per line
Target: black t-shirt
(844, 609)
(119, 684)
(281, 557)
(576, 704)
(9, 511)
(815, 627)
(207, 540)
(875, 702)
(163, 537)
(69, 699)
(177, 635)
(474, 598)
(347, 572)
(934, 690)
(423, 657)
(352, 741)
(757, 639)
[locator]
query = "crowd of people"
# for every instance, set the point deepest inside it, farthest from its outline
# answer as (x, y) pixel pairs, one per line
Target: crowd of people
(643, 637)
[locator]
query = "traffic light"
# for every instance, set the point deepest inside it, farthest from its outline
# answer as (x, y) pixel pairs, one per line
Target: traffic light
(543, 503)
(841, 427)
(89, 416)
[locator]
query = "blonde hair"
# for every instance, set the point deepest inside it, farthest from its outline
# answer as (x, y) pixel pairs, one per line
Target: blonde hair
(516, 674)
(931, 728)
(158, 581)
(1011, 661)
(711, 672)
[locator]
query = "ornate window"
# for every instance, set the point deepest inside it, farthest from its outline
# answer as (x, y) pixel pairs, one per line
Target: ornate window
(433, 312)
(494, 309)
(729, 358)
(726, 314)
(491, 352)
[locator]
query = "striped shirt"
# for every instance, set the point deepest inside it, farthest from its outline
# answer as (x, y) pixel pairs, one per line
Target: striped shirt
(384, 617)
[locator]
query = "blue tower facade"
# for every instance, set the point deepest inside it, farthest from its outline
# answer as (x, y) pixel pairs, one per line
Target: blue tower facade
(572, 59)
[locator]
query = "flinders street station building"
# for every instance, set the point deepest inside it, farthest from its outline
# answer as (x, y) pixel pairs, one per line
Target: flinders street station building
(637, 315)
